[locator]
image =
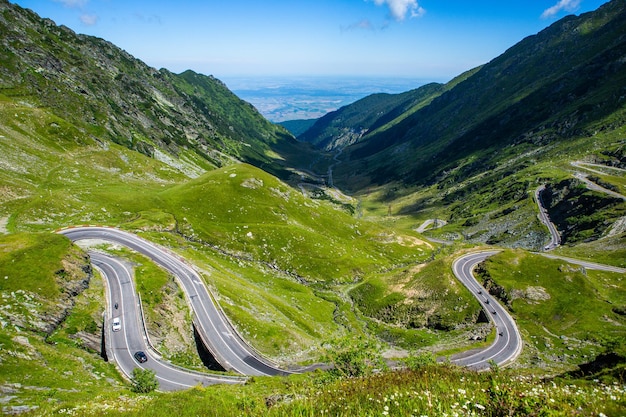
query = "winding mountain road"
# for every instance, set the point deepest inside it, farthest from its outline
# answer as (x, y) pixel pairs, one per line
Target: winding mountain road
(508, 343)
(122, 344)
(555, 237)
(215, 330)
(436, 223)
(587, 264)
(592, 185)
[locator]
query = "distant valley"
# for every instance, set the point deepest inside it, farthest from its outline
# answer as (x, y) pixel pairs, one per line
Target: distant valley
(289, 98)
(338, 247)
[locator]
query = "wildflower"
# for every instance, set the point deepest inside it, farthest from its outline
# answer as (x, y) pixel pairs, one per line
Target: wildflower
(479, 406)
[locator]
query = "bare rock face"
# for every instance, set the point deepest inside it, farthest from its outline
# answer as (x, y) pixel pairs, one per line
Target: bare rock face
(44, 316)
(72, 279)
(537, 294)
(533, 294)
(491, 286)
(90, 341)
(574, 210)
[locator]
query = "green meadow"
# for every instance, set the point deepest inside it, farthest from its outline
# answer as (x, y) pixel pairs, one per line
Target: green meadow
(306, 274)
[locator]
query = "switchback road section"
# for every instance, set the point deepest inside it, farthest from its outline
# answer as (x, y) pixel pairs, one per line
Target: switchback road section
(213, 327)
(122, 344)
(508, 343)
(215, 330)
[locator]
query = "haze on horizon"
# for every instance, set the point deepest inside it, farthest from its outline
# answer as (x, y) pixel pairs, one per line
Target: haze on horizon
(426, 39)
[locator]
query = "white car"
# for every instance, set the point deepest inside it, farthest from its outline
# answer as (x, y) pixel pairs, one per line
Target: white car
(117, 324)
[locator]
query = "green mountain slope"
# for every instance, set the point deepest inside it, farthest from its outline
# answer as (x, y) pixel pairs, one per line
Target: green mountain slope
(347, 125)
(549, 87)
(297, 127)
(89, 135)
(363, 118)
(476, 150)
(111, 96)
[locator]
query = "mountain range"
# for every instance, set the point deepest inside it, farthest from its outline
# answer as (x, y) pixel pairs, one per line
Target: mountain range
(342, 236)
(554, 95)
(110, 95)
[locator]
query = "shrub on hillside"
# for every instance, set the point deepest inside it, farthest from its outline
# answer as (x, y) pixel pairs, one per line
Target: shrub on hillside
(144, 380)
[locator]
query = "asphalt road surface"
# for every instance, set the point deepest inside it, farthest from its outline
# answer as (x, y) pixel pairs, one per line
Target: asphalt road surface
(508, 343)
(213, 327)
(221, 339)
(587, 264)
(131, 337)
(555, 237)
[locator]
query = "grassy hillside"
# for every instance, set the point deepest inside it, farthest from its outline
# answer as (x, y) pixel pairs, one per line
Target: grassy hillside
(244, 211)
(475, 151)
(349, 124)
(346, 281)
(51, 308)
(109, 95)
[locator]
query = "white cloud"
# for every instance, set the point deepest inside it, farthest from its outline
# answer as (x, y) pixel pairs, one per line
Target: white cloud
(72, 3)
(89, 19)
(399, 9)
(567, 5)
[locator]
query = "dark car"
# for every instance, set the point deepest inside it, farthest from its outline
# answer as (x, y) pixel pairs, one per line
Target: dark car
(141, 357)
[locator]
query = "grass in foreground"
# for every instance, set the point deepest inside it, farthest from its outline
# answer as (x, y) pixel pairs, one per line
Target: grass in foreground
(433, 390)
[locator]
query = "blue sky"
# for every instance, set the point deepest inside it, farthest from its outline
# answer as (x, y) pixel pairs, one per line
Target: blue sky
(428, 39)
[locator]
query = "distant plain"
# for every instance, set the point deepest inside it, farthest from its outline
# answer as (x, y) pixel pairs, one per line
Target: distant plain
(310, 97)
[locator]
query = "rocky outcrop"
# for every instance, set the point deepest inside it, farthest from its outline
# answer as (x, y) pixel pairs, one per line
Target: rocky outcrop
(72, 280)
(580, 214)
(491, 286)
